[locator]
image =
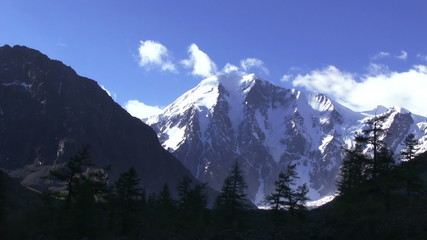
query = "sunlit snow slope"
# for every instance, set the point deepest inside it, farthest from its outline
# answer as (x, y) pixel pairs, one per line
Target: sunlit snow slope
(264, 127)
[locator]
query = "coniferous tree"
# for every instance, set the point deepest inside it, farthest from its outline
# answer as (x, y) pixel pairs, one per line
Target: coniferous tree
(129, 198)
(286, 197)
(410, 147)
(233, 192)
(192, 205)
(72, 175)
(352, 170)
(165, 210)
(84, 189)
(232, 199)
(371, 136)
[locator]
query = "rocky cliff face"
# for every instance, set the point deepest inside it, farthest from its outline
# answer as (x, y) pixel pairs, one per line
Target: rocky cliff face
(265, 127)
(48, 112)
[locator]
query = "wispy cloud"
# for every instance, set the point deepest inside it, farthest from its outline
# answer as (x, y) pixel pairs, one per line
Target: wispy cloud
(154, 54)
(381, 55)
(61, 44)
(141, 110)
(199, 62)
(405, 89)
(250, 63)
(403, 55)
(422, 57)
(230, 68)
(286, 77)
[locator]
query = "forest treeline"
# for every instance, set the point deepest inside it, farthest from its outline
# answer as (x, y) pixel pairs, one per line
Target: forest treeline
(377, 200)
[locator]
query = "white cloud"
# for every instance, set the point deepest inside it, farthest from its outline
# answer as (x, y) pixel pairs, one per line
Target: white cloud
(230, 68)
(381, 55)
(376, 69)
(422, 57)
(141, 110)
(403, 55)
(253, 63)
(200, 62)
(404, 89)
(152, 53)
(286, 77)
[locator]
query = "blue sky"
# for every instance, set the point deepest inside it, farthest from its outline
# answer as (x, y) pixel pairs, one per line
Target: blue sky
(152, 51)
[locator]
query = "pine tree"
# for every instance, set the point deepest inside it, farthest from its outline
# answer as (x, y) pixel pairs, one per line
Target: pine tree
(129, 198)
(286, 197)
(72, 175)
(371, 135)
(352, 170)
(233, 195)
(410, 148)
(84, 189)
(232, 199)
(192, 205)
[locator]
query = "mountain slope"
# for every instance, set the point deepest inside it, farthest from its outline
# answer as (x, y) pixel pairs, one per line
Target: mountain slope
(265, 127)
(48, 112)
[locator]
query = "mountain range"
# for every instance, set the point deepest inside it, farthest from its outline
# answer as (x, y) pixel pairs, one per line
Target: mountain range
(228, 118)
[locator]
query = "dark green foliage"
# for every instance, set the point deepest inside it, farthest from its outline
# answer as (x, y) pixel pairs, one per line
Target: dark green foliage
(84, 193)
(129, 201)
(371, 136)
(352, 172)
(232, 199)
(72, 175)
(286, 197)
(192, 206)
(390, 206)
(233, 195)
(382, 159)
(410, 148)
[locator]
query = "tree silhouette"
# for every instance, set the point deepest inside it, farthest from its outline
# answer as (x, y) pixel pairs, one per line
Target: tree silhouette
(371, 135)
(192, 205)
(233, 196)
(410, 147)
(352, 170)
(286, 197)
(129, 198)
(72, 174)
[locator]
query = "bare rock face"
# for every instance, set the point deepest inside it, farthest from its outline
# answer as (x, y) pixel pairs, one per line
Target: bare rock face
(265, 127)
(48, 112)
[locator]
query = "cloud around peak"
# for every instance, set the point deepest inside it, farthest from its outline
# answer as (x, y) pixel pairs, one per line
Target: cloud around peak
(154, 54)
(199, 62)
(389, 88)
(141, 110)
(250, 63)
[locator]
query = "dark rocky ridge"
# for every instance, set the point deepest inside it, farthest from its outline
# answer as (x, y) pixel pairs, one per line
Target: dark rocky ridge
(48, 112)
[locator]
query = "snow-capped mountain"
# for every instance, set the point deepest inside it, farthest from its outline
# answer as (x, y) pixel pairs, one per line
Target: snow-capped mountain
(264, 127)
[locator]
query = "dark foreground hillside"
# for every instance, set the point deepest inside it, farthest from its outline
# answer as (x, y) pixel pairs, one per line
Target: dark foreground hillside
(381, 210)
(48, 112)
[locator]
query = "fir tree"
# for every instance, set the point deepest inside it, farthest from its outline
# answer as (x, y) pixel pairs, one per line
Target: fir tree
(232, 198)
(72, 174)
(371, 135)
(233, 195)
(286, 197)
(192, 205)
(129, 198)
(410, 147)
(352, 172)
